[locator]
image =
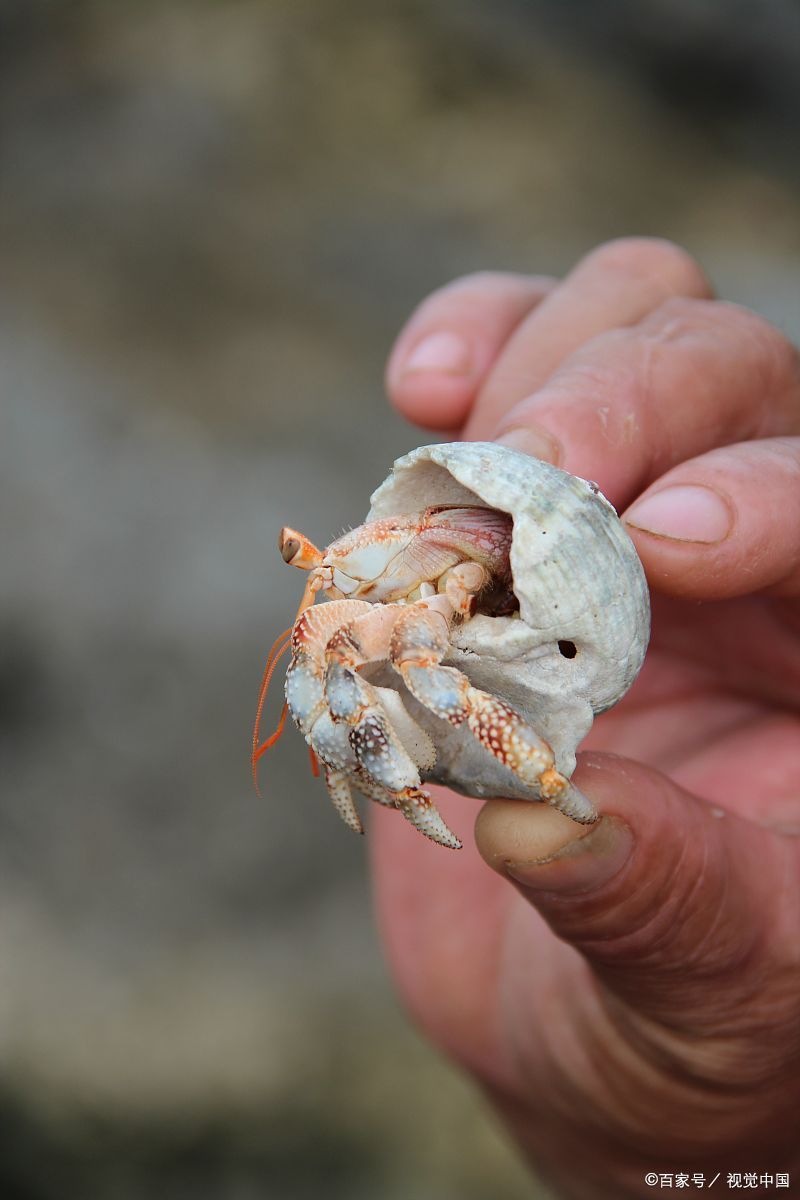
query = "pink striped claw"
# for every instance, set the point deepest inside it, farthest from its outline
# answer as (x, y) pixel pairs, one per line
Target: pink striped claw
(441, 655)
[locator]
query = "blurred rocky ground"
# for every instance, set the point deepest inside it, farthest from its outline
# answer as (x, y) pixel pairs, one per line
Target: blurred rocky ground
(213, 217)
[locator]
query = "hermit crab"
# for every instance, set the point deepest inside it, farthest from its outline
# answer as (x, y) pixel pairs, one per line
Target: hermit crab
(489, 607)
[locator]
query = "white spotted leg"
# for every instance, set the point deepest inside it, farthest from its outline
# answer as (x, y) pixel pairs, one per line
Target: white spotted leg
(330, 740)
(305, 694)
(338, 783)
(420, 639)
(383, 742)
(418, 809)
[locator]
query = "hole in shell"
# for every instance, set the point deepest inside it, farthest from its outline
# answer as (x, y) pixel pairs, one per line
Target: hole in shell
(567, 649)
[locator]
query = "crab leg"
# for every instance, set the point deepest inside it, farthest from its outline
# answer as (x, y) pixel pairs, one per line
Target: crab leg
(417, 808)
(342, 797)
(331, 740)
(415, 805)
(420, 639)
(305, 694)
(305, 690)
(373, 736)
(353, 700)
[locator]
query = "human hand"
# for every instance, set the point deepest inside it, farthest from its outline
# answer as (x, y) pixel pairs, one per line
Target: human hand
(630, 995)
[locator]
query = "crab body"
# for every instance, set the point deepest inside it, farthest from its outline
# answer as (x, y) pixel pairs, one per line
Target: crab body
(489, 606)
(406, 557)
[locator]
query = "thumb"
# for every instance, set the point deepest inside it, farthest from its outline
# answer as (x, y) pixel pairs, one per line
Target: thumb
(669, 899)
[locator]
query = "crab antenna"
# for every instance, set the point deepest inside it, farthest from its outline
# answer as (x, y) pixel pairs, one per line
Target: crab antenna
(279, 648)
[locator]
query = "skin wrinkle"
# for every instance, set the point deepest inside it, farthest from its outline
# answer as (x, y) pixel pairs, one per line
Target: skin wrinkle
(656, 347)
(781, 373)
(683, 906)
(787, 938)
(664, 1038)
(657, 930)
(724, 1070)
(672, 920)
(781, 1011)
(721, 1065)
(568, 1076)
(615, 427)
(614, 1058)
(633, 933)
(685, 1109)
(654, 426)
(706, 947)
(775, 362)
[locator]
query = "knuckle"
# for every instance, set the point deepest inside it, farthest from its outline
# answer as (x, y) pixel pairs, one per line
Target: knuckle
(643, 257)
(611, 369)
(678, 319)
(767, 346)
(757, 340)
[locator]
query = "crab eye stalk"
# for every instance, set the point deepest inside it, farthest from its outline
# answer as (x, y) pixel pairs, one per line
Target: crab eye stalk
(289, 547)
(297, 550)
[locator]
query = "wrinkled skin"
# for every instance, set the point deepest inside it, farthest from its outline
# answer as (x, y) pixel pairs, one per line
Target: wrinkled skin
(632, 1003)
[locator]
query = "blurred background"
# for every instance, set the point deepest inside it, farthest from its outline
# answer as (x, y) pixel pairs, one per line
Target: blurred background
(214, 217)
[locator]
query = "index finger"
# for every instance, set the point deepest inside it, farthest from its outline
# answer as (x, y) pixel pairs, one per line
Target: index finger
(613, 287)
(632, 403)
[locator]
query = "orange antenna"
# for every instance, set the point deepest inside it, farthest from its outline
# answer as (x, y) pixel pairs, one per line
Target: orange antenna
(279, 648)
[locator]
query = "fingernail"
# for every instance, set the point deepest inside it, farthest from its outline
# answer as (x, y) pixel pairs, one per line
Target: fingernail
(445, 352)
(533, 440)
(684, 513)
(581, 865)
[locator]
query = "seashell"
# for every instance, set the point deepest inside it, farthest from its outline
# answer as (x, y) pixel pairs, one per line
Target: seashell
(580, 636)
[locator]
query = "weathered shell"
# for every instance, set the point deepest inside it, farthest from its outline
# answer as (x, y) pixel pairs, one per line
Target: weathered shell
(578, 580)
